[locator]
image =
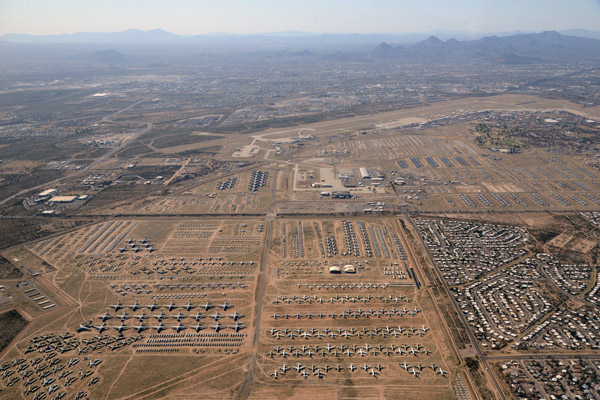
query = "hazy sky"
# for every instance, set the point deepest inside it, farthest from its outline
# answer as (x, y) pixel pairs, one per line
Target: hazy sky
(253, 16)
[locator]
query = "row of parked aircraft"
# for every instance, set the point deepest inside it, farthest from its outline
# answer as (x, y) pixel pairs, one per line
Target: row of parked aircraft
(160, 327)
(162, 316)
(170, 307)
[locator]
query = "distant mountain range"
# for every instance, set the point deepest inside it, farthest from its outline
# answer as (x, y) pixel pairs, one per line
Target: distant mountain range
(162, 36)
(134, 44)
(515, 49)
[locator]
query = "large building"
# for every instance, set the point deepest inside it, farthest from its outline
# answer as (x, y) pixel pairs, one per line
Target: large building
(364, 173)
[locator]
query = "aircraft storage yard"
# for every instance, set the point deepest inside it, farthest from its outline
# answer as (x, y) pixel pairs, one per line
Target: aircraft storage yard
(229, 231)
(329, 267)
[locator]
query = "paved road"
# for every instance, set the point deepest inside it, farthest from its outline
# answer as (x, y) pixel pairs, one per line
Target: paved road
(519, 357)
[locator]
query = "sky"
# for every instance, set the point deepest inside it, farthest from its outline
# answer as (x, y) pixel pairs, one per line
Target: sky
(190, 17)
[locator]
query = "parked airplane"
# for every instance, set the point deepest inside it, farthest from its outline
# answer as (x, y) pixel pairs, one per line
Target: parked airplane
(135, 306)
(85, 327)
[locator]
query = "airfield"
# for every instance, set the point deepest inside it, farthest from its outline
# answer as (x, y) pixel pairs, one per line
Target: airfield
(234, 284)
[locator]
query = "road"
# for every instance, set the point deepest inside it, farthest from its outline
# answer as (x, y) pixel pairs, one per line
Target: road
(259, 306)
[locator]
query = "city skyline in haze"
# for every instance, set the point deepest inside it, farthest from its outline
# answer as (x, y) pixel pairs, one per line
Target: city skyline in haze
(186, 17)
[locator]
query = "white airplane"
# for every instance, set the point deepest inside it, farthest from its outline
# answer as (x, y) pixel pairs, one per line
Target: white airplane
(365, 367)
(442, 372)
(160, 316)
(235, 316)
(217, 327)
(304, 374)
(179, 316)
(171, 306)
(405, 366)
(352, 367)
(117, 306)
(105, 316)
(85, 327)
(123, 316)
(160, 327)
(284, 368)
(198, 327)
(178, 328)
(140, 327)
(374, 372)
(188, 306)
(216, 316)
(299, 367)
(225, 305)
(237, 326)
(120, 328)
(275, 374)
(415, 372)
(152, 306)
(207, 306)
(135, 306)
(142, 316)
